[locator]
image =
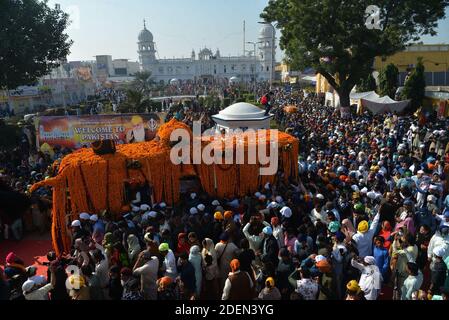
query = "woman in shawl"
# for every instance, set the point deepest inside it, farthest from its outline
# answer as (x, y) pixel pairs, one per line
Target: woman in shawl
(133, 248)
(209, 256)
(371, 279)
(196, 260)
(183, 245)
(108, 242)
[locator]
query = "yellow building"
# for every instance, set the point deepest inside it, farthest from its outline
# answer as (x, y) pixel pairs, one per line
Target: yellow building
(436, 63)
(435, 58)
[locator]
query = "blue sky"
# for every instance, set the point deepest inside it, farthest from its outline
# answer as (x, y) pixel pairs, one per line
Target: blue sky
(178, 26)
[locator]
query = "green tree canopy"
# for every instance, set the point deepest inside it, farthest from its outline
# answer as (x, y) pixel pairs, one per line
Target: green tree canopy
(32, 41)
(415, 86)
(368, 84)
(388, 81)
(331, 36)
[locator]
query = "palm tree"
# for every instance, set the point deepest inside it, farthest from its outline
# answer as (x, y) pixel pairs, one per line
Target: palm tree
(143, 82)
(136, 102)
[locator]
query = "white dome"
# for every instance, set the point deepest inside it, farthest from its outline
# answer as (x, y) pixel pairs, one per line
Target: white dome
(267, 31)
(234, 79)
(242, 110)
(145, 35)
(174, 81)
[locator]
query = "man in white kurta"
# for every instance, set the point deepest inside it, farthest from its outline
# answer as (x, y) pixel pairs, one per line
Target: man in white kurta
(371, 279)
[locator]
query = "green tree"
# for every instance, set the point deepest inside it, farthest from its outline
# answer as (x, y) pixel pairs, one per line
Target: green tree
(32, 41)
(367, 84)
(331, 36)
(415, 86)
(388, 81)
(136, 102)
(143, 82)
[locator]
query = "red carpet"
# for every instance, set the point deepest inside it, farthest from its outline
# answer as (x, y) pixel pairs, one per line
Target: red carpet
(28, 248)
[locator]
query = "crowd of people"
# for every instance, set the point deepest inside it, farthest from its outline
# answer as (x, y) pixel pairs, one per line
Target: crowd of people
(20, 168)
(369, 211)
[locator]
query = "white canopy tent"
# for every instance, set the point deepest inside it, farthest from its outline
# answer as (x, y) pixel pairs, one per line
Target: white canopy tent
(309, 78)
(363, 95)
(376, 104)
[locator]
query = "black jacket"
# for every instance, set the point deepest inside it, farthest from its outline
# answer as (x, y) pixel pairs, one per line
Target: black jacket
(187, 273)
(270, 249)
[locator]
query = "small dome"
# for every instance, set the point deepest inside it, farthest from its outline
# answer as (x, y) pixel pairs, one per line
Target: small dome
(242, 110)
(145, 35)
(267, 31)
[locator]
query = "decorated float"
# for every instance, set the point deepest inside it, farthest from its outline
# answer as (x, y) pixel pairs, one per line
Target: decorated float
(88, 182)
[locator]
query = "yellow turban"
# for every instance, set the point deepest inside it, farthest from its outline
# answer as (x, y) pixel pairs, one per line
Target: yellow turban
(363, 226)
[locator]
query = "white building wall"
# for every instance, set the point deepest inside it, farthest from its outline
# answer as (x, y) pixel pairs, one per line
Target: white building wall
(208, 65)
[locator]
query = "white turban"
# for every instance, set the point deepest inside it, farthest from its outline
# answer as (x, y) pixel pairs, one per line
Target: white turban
(286, 212)
(370, 260)
(439, 251)
(152, 214)
(273, 205)
(84, 216)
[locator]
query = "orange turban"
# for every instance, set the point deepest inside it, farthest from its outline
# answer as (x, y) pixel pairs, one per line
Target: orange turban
(228, 214)
(165, 281)
(235, 265)
(324, 266)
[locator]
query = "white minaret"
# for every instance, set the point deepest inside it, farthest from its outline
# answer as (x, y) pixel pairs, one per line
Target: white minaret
(147, 53)
(267, 52)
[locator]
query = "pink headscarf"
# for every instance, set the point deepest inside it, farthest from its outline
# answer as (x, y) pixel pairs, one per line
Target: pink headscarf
(11, 258)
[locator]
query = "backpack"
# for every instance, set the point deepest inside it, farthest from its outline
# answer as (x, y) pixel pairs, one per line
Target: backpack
(264, 100)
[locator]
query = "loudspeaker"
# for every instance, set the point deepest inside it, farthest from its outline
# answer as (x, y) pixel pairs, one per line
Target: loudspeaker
(103, 147)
